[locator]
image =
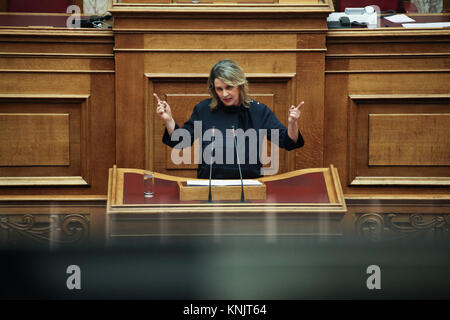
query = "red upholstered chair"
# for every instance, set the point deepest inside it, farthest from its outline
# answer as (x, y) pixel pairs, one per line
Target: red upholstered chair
(384, 5)
(41, 6)
(409, 7)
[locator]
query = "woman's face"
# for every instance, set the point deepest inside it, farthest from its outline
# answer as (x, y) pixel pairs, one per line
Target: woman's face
(229, 95)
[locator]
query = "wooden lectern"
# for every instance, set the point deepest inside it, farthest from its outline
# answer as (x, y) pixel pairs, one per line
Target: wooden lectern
(307, 190)
(299, 203)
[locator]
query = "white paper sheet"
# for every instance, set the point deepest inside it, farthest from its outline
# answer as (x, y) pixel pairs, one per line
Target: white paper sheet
(427, 25)
(218, 182)
(400, 18)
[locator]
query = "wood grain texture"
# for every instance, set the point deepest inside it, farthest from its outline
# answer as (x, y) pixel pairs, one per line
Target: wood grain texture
(28, 139)
(409, 139)
(60, 71)
(310, 87)
(378, 72)
(336, 143)
(332, 70)
(130, 111)
(162, 41)
(397, 160)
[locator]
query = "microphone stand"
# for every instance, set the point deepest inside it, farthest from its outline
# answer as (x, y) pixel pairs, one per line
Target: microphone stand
(239, 165)
(210, 165)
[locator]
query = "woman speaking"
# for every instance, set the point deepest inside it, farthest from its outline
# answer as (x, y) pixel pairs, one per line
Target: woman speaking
(232, 126)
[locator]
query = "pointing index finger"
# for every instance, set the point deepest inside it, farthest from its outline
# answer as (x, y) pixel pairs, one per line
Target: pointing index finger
(299, 105)
(157, 98)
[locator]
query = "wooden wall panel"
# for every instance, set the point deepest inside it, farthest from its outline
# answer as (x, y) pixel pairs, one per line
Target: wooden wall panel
(43, 139)
(73, 136)
(400, 75)
(57, 74)
(130, 111)
(363, 172)
(335, 123)
(228, 41)
(399, 83)
(201, 61)
(389, 63)
(310, 88)
(409, 139)
(230, 17)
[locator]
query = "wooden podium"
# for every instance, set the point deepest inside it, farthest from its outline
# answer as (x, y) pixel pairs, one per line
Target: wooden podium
(308, 190)
(301, 203)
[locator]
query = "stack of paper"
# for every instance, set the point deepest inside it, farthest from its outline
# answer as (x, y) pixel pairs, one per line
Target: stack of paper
(399, 18)
(217, 182)
(427, 25)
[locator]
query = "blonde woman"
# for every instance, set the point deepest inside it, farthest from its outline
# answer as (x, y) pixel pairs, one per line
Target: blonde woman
(231, 126)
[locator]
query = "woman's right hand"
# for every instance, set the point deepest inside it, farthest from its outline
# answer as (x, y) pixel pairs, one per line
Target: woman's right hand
(164, 111)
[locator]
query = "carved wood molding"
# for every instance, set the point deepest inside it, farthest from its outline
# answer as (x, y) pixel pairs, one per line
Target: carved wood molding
(384, 226)
(45, 228)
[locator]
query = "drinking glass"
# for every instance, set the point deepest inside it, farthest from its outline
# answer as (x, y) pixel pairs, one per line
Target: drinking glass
(149, 185)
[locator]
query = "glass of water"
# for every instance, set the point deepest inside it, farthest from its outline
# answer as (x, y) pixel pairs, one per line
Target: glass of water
(149, 185)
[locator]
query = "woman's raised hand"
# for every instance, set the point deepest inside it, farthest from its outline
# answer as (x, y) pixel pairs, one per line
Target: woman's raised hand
(163, 109)
(294, 112)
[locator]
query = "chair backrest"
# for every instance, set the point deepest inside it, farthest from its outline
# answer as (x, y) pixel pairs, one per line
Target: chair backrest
(383, 4)
(41, 6)
(409, 7)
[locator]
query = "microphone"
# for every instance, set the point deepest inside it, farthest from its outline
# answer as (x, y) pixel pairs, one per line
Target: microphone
(239, 165)
(210, 165)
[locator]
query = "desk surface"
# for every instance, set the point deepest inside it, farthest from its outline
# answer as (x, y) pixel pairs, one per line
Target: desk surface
(418, 19)
(33, 20)
(59, 20)
(309, 188)
(56, 20)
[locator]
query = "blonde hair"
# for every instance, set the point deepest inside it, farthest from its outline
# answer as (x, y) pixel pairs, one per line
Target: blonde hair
(231, 74)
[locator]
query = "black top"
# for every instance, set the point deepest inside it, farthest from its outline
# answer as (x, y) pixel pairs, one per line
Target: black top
(256, 122)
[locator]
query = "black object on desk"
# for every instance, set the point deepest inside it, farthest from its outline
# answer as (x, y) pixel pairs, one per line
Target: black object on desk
(344, 21)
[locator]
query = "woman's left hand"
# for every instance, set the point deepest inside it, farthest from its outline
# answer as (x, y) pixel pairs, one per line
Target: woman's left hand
(294, 112)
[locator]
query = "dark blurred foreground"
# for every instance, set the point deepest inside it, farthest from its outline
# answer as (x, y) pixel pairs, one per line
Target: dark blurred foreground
(179, 268)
